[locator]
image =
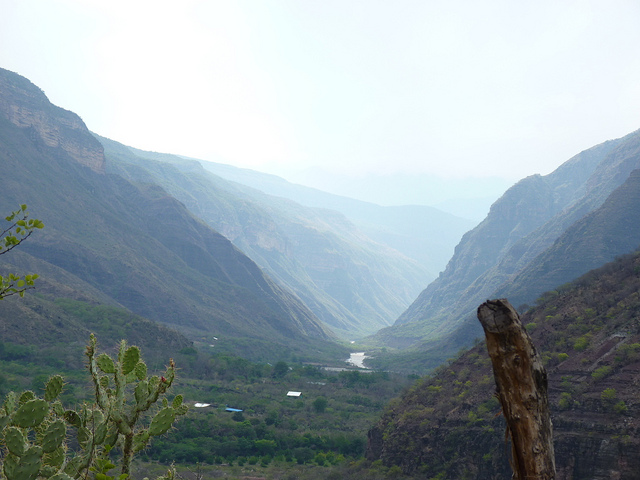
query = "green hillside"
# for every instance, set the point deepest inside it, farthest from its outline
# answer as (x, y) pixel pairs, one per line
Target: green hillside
(449, 426)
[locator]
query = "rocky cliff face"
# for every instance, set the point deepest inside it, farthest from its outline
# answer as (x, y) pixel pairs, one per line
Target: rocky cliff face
(26, 106)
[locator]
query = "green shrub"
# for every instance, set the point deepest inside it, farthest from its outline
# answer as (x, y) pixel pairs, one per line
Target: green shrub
(608, 395)
(581, 343)
(601, 372)
(320, 404)
(565, 401)
(620, 407)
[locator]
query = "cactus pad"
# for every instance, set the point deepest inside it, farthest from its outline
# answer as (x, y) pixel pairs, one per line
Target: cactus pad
(153, 383)
(177, 401)
(131, 358)
(73, 418)
(112, 436)
(140, 440)
(141, 392)
(4, 421)
(182, 409)
(162, 421)
(15, 441)
(53, 388)
(105, 363)
(100, 433)
(140, 370)
(9, 466)
(61, 476)
(55, 458)
(47, 471)
(58, 408)
(31, 413)
(83, 435)
(131, 376)
(10, 403)
(25, 397)
(54, 436)
(97, 416)
(28, 466)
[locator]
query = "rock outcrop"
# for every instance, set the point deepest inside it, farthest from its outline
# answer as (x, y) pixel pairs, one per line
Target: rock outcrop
(26, 106)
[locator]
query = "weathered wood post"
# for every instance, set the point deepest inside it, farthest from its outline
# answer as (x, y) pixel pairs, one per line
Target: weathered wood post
(521, 382)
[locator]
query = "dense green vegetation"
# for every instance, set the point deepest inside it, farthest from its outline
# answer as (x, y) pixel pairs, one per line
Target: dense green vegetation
(325, 425)
(323, 429)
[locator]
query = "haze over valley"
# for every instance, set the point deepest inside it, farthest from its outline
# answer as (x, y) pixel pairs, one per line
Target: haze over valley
(297, 208)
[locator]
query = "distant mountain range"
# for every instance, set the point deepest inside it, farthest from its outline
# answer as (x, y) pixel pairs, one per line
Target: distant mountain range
(464, 197)
(167, 239)
(344, 269)
(425, 234)
(543, 232)
(217, 251)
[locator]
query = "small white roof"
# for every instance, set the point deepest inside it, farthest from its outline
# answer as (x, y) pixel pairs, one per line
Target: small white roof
(201, 405)
(294, 394)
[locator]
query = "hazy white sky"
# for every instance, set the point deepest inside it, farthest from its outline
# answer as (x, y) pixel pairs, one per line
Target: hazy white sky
(448, 88)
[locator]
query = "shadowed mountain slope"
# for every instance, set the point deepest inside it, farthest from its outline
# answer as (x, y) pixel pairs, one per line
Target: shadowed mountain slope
(587, 333)
(134, 244)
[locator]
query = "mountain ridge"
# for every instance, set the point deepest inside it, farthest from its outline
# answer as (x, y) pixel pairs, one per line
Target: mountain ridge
(140, 247)
(421, 232)
(353, 284)
(523, 223)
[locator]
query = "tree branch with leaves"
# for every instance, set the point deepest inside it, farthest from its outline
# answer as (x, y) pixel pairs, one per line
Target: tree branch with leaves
(19, 229)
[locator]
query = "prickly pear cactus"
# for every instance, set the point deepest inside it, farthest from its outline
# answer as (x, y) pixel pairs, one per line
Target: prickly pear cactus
(31, 413)
(116, 381)
(35, 430)
(53, 388)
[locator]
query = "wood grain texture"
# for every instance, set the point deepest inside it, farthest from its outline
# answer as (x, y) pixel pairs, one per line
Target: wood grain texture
(521, 382)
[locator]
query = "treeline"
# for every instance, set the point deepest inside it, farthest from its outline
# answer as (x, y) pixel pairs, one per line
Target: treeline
(222, 440)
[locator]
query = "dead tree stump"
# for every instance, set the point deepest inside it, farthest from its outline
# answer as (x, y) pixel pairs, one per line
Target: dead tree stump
(521, 382)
